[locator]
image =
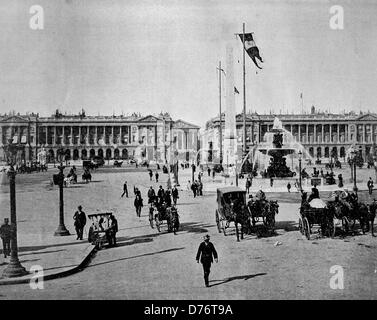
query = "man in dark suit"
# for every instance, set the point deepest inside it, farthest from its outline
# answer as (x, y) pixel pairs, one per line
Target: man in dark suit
(206, 253)
(80, 222)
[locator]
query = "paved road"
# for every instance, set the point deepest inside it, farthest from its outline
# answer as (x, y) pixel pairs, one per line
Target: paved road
(151, 265)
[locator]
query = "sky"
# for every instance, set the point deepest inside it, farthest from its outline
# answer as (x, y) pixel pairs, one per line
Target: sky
(162, 55)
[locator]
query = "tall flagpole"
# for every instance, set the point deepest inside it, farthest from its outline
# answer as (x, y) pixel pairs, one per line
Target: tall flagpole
(244, 94)
(221, 129)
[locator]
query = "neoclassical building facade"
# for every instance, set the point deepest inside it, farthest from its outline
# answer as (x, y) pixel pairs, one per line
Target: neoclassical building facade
(322, 134)
(111, 137)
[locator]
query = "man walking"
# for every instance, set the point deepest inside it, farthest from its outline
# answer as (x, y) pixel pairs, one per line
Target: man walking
(194, 187)
(5, 234)
(248, 185)
(150, 174)
(206, 253)
(160, 195)
(175, 195)
(151, 195)
(138, 203)
(156, 175)
(80, 222)
(112, 230)
(289, 187)
(370, 186)
(125, 190)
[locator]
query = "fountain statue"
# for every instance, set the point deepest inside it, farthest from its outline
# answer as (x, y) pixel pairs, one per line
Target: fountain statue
(278, 148)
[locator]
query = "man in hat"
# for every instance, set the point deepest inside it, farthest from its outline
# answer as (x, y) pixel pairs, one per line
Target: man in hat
(206, 253)
(5, 234)
(80, 222)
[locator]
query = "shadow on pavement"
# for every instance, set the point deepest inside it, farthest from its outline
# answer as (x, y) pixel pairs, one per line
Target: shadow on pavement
(134, 257)
(245, 277)
(36, 248)
(194, 227)
(51, 251)
(286, 225)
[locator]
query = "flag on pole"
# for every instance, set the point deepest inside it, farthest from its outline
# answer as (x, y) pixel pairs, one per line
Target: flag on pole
(251, 48)
(236, 91)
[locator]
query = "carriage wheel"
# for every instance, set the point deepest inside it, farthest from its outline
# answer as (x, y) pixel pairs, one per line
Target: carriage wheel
(218, 221)
(271, 223)
(306, 228)
(300, 225)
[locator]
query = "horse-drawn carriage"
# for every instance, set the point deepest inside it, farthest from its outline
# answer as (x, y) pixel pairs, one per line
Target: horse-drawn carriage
(118, 163)
(263, 210)
(348, 209)
(316, 212)
(164, 213)
(101, 230)
(231, 202)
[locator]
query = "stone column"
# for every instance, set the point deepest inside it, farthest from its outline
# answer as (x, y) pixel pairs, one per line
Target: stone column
(299, 132)
(54, 139)
(338, 127)
(315, 133)
(307, 133)
(364, 133)
(79, 135)
(330, 126)
(322, 133)
(71, 141)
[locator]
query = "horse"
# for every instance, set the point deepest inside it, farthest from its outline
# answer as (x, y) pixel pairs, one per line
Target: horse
(86, 176)
(350, 211)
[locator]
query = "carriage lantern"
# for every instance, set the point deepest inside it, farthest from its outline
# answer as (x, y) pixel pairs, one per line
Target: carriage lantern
(299, 168)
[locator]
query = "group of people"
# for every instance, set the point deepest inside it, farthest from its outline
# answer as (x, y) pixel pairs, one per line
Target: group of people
(196, 187)
(151, 175)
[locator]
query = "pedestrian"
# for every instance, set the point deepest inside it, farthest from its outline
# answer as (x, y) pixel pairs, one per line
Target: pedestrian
(200, 188)
(80, 221)
(206, 253)
(151, 195)
(167, 198)
(156, 175)
(150, 174)
(112, 230)
(213, 173)
(194, 187)
(175, 194)
(188, 185)
(137, 191)
(271, 182)
(5, 234)
(138, 203)
(160, 195)
(340, 180)
(248, 185)
(289, 187)
(209, 171)
(370, 185)
(125, 190)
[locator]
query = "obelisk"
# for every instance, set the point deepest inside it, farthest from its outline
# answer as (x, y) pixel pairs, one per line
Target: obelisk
(230, 138)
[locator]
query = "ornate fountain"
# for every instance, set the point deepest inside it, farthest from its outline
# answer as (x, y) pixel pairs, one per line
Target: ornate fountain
(277, 156)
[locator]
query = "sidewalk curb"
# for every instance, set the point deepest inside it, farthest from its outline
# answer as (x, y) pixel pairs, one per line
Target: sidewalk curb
(61, 274)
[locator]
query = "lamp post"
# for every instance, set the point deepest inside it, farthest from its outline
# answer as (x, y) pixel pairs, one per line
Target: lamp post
(299, 168)
(14, 268)
(61, 230)
(353, 158)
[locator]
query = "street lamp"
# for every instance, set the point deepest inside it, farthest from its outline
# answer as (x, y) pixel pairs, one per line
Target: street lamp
(61, 230)
(353, 159)
(299, 168)
(14, 268)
